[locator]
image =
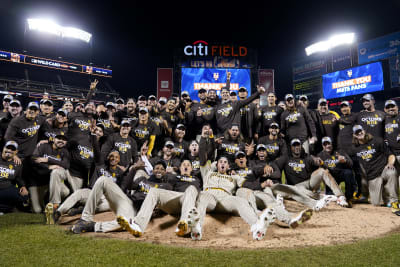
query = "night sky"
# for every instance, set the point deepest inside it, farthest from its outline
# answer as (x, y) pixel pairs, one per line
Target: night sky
(138, 38)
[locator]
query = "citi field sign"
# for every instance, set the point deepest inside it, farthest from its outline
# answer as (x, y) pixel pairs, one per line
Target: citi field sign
(202, 48)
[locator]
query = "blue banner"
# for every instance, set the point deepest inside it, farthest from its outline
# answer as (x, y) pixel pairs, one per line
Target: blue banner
(354, 81)
(193, 79)
(380, 48)
(308, 68)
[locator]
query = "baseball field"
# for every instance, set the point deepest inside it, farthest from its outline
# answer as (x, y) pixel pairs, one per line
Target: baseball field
(26, 241)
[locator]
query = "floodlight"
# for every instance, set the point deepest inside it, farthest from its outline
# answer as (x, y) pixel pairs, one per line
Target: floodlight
(51, 27)
(335, 40)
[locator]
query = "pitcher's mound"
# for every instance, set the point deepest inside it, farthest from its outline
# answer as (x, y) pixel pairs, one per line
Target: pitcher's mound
(331, 226)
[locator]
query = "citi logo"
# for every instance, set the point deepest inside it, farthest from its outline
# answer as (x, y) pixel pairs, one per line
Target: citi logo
(200, 48)
(196, 49)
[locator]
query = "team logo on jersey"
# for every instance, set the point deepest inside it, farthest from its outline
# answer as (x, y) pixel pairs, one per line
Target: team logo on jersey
(83, 125)
(293, 117)
(123, 147)
(85, 152)
(230, 148)
(372, 121)
(389, 127)
(366, 155)
(6, 172)
(297, 166)
(196, 164)
(188, 179)
(244, 172)
(31, 131)
(272, 148)
(141, 133)
(225, 111)
(56, 158)
(331, 162)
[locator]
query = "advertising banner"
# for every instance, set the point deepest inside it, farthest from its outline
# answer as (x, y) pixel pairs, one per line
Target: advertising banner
(164, 82)
(380, 48)
(193, 79)
(394, 65)
(359, 80)
(341, 59)
(309, 68)
(54, 64)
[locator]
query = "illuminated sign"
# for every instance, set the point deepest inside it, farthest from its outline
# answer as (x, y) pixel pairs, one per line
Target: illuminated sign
(54, 64)
(193, 79)
(354, 81)
(201, 48)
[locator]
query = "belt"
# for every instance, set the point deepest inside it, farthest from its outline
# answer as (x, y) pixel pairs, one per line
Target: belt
(217, 188)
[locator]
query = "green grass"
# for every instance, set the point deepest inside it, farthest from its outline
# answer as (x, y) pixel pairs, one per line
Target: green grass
(25, 241)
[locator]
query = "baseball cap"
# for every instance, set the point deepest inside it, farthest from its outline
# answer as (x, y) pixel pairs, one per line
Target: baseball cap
(261, 146)
(162, 100)
(61, 136)
(124, 122)
(61, 110)
(15, 101)
(287, 96)
(12, 143)
(368, 97)
(326, 139)
(169, 143)
(152, 97)
(202, 90)
(345, 103)
(33, 104)
(357, 128)
(180, 125)
(8, 97)
(242, 89)
(294, 141)
(120, 100)
(184, 93)
(143, 109)
(161, 162)
(274, 124)
(233, 93)
(240, 154)
(142, 98)
(110, 104)
(322, 100)
(387, 103)
(303, 97)
(46, 101)
(81, 104)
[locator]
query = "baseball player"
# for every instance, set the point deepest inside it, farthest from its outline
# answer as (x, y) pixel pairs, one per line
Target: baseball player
(181, 200)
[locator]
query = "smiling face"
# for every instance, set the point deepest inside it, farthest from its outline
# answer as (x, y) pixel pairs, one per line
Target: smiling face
(296, 149)
(367, 104)
(171, 104)
(31, 113)
(359, 135)
(60, 143)
(131, 105)
(8, 153)
(212, 95)
(290, 102)
(224, 94)
(180, 132)
(14, 109)
(159, 171)
(271, 98)
(273, 130)
(327, 146)
(202, 96)
(68, 106)
(261, 154)
(167, 150)
(114, 158)
(392, 110)
(125, 129)
(61, 118)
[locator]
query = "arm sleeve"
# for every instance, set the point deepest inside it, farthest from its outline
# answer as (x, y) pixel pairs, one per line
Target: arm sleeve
(247, 101)
(107, 146)
(151, 144)
(12, 130)
(18, 178)
(310, 123)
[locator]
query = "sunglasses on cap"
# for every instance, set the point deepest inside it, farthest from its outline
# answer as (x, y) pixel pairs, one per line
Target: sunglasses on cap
(7, 100)
(326, 143)
(274, 127)
(11, 148)
(62, 114)
(289, 99)
(33, 108)
(169, 146)
(358, 132)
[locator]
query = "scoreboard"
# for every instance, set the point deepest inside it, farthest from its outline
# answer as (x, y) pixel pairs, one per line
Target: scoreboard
(54, 64)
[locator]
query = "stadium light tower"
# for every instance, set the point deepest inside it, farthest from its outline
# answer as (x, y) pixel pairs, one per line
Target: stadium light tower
(334, 41)
(51, 27)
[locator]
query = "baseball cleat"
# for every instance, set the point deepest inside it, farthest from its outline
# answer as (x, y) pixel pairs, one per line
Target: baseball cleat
(259, 229)
(304, 216)
(82, 227)
(323, 202)
(182, 228)
(395, 207)
(49, 210)
(341, 201)
(129, 226)
(194, 223)
(75, 211)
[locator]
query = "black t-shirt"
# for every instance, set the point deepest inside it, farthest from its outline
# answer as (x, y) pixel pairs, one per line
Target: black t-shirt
(373, 156)
(345, 136)
(10, 174)
(372, 122)
(297, 123)
(181, 182)
(103, 170)
(275, 148)
(142, 132)
(126, 147)
(331, 161)
(392, 130)
(297, 170)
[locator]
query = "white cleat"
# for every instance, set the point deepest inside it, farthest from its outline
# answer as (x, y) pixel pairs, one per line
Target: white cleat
(130, 226)
(194, 223)
(341, 201)
(279, 199)
(323, 202)
(304, 216)
(259, 229)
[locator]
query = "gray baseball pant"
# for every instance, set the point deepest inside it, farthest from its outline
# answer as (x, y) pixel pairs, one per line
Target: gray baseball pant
(37, 194)
(81, 196)
(169, 201)
(58, 189)
(264, 199)
(119, 203)
(221, 201)
(385, 183)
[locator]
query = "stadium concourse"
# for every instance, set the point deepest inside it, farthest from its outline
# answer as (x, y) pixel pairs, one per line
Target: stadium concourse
(112, 166)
